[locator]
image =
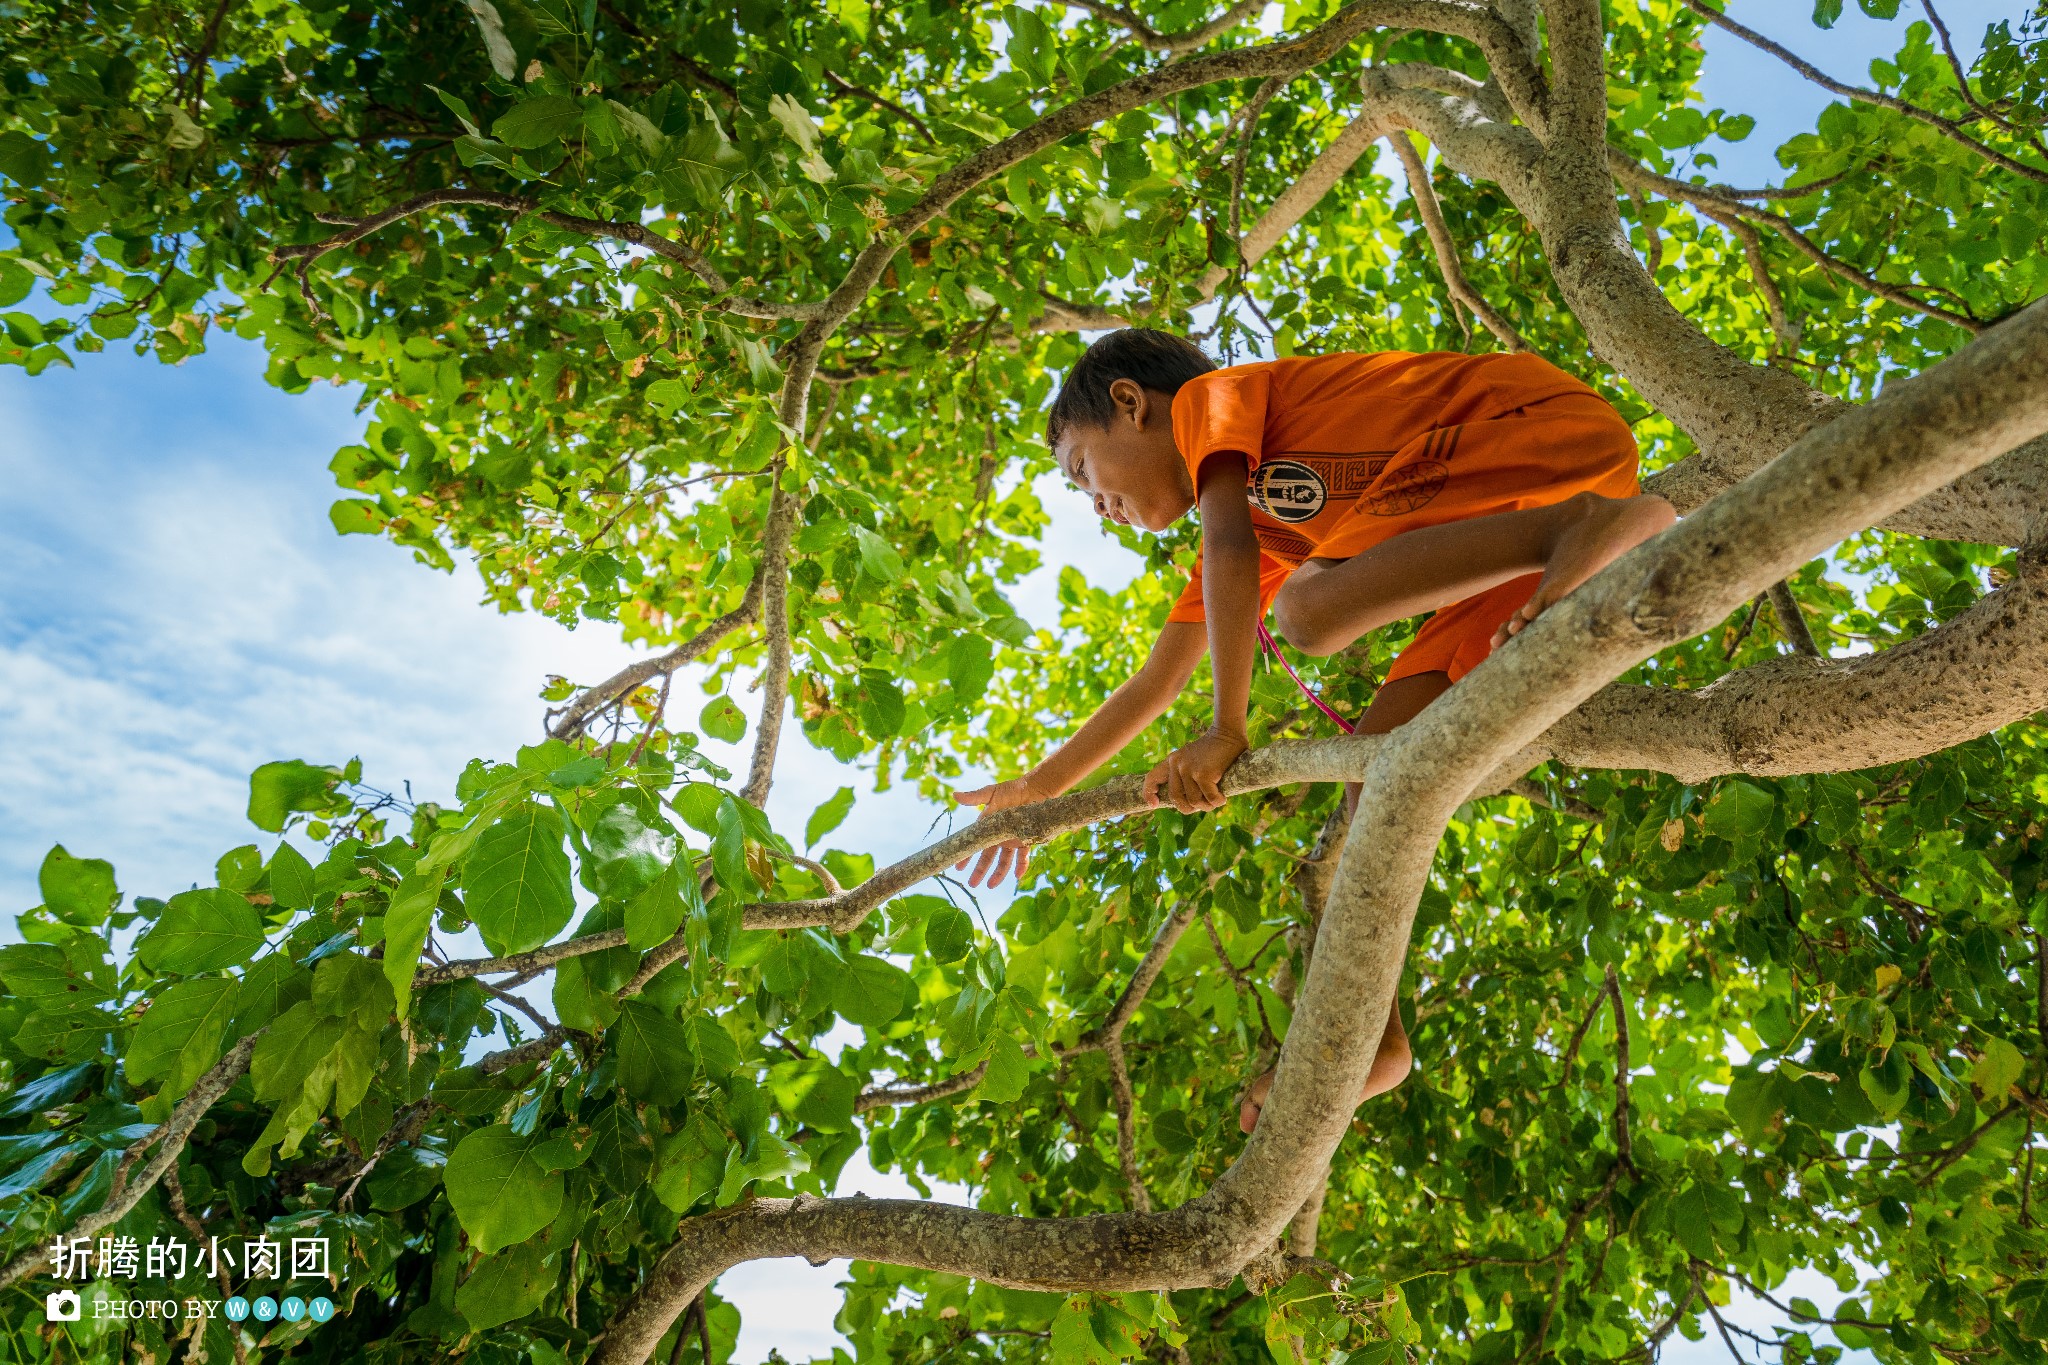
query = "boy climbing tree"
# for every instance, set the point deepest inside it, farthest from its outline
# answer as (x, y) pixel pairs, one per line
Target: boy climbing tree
(1341, 492)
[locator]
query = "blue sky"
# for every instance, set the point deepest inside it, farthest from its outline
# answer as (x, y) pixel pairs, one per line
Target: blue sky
(175, 609)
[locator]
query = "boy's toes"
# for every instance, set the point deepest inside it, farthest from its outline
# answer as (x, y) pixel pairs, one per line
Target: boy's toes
(1254, 1100)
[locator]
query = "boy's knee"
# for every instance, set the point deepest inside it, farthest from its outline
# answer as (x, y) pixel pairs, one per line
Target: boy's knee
(1299, 627)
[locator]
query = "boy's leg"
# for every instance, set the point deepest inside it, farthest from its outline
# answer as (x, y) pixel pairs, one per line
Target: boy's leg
(1397, 702)
(1328, 603)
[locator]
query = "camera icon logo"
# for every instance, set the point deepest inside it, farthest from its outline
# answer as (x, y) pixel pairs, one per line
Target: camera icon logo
(61, 1305)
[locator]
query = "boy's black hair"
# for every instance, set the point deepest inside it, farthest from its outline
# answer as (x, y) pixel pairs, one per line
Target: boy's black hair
(1152, 358)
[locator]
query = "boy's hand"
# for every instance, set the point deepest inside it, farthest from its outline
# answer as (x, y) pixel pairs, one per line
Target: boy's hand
(1009, 855)
(1192, 774)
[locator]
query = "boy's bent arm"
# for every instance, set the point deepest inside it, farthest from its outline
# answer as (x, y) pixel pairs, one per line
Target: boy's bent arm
(1142, 699)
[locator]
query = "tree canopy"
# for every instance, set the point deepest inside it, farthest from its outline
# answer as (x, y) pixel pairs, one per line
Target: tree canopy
(1713, 902)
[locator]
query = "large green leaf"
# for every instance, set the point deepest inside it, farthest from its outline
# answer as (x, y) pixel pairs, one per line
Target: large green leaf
(79, 889)
(505, 1286)
(517, 880)
(181, 1035)
(277, 789)
(871, 991)
(407, 922)
(654, 1053)
(202, 931)
(502, 1195)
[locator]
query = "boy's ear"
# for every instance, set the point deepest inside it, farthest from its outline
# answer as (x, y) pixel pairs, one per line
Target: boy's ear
(1132, 402)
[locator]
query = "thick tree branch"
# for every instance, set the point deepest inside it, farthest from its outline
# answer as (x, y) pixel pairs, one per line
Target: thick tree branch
(1948, 128)
(169, 1138)
(1985, 668)
(1432, 215)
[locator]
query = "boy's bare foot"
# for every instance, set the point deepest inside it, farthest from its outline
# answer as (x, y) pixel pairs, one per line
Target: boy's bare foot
(1389, 1069)
(1596, 532)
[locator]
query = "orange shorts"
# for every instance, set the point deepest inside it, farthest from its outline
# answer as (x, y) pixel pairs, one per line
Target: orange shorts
(1530, 457)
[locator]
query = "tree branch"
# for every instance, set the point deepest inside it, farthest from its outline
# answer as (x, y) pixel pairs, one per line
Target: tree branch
(1948, 128)
(1720, 209)
(634, 234)
(1126, 1138)
(1171, 43)
(1432, 215)
(845, 86)
(169, 1137)
(1792, 622)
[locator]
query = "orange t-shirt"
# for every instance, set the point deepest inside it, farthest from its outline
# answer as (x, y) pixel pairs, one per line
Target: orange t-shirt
(1319, 432)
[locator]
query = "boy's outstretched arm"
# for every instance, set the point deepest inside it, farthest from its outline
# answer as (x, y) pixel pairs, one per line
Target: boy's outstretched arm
(1122, 716)
(1192, 775)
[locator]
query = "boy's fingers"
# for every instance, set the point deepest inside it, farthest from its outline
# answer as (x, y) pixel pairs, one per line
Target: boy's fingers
(988, 855)
(979, 796)
(1023, 853)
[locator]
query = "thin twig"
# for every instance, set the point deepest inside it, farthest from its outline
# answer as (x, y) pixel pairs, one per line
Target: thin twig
(1439, 232)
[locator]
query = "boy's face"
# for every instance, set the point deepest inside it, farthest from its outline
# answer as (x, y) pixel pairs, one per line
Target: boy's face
(1131, 468)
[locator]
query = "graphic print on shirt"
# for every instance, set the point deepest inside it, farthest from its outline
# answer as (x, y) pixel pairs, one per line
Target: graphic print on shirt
(1414, 485)
(1308, 485)
(1288, 490)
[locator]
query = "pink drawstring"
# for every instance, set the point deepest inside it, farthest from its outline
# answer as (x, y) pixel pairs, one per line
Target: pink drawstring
(1266, 639)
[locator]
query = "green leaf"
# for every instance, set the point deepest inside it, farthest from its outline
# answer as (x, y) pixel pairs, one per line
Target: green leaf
(653, 1051)
(504, 1286)
(291, 878)
(1997, 1069)
(871, 992)
(517, 880)
(1172, 1131)
(948, 934)
(698, 803)
(271, 985)
(880, 704)
(970, 665)
(653, 916)
(182, 1034)
(691, 1163)
(1008, 1072)
(877, 555)
(277, 789)
(356, 517)
(43, 975)
(828, 816)
(404, 1176)
(537, 121)
(1739, 812)
(407, 922)
(202, 931)
(500, 1192)
(1826, 12)
(64, 1035)
(723, 720)
(80, 890)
